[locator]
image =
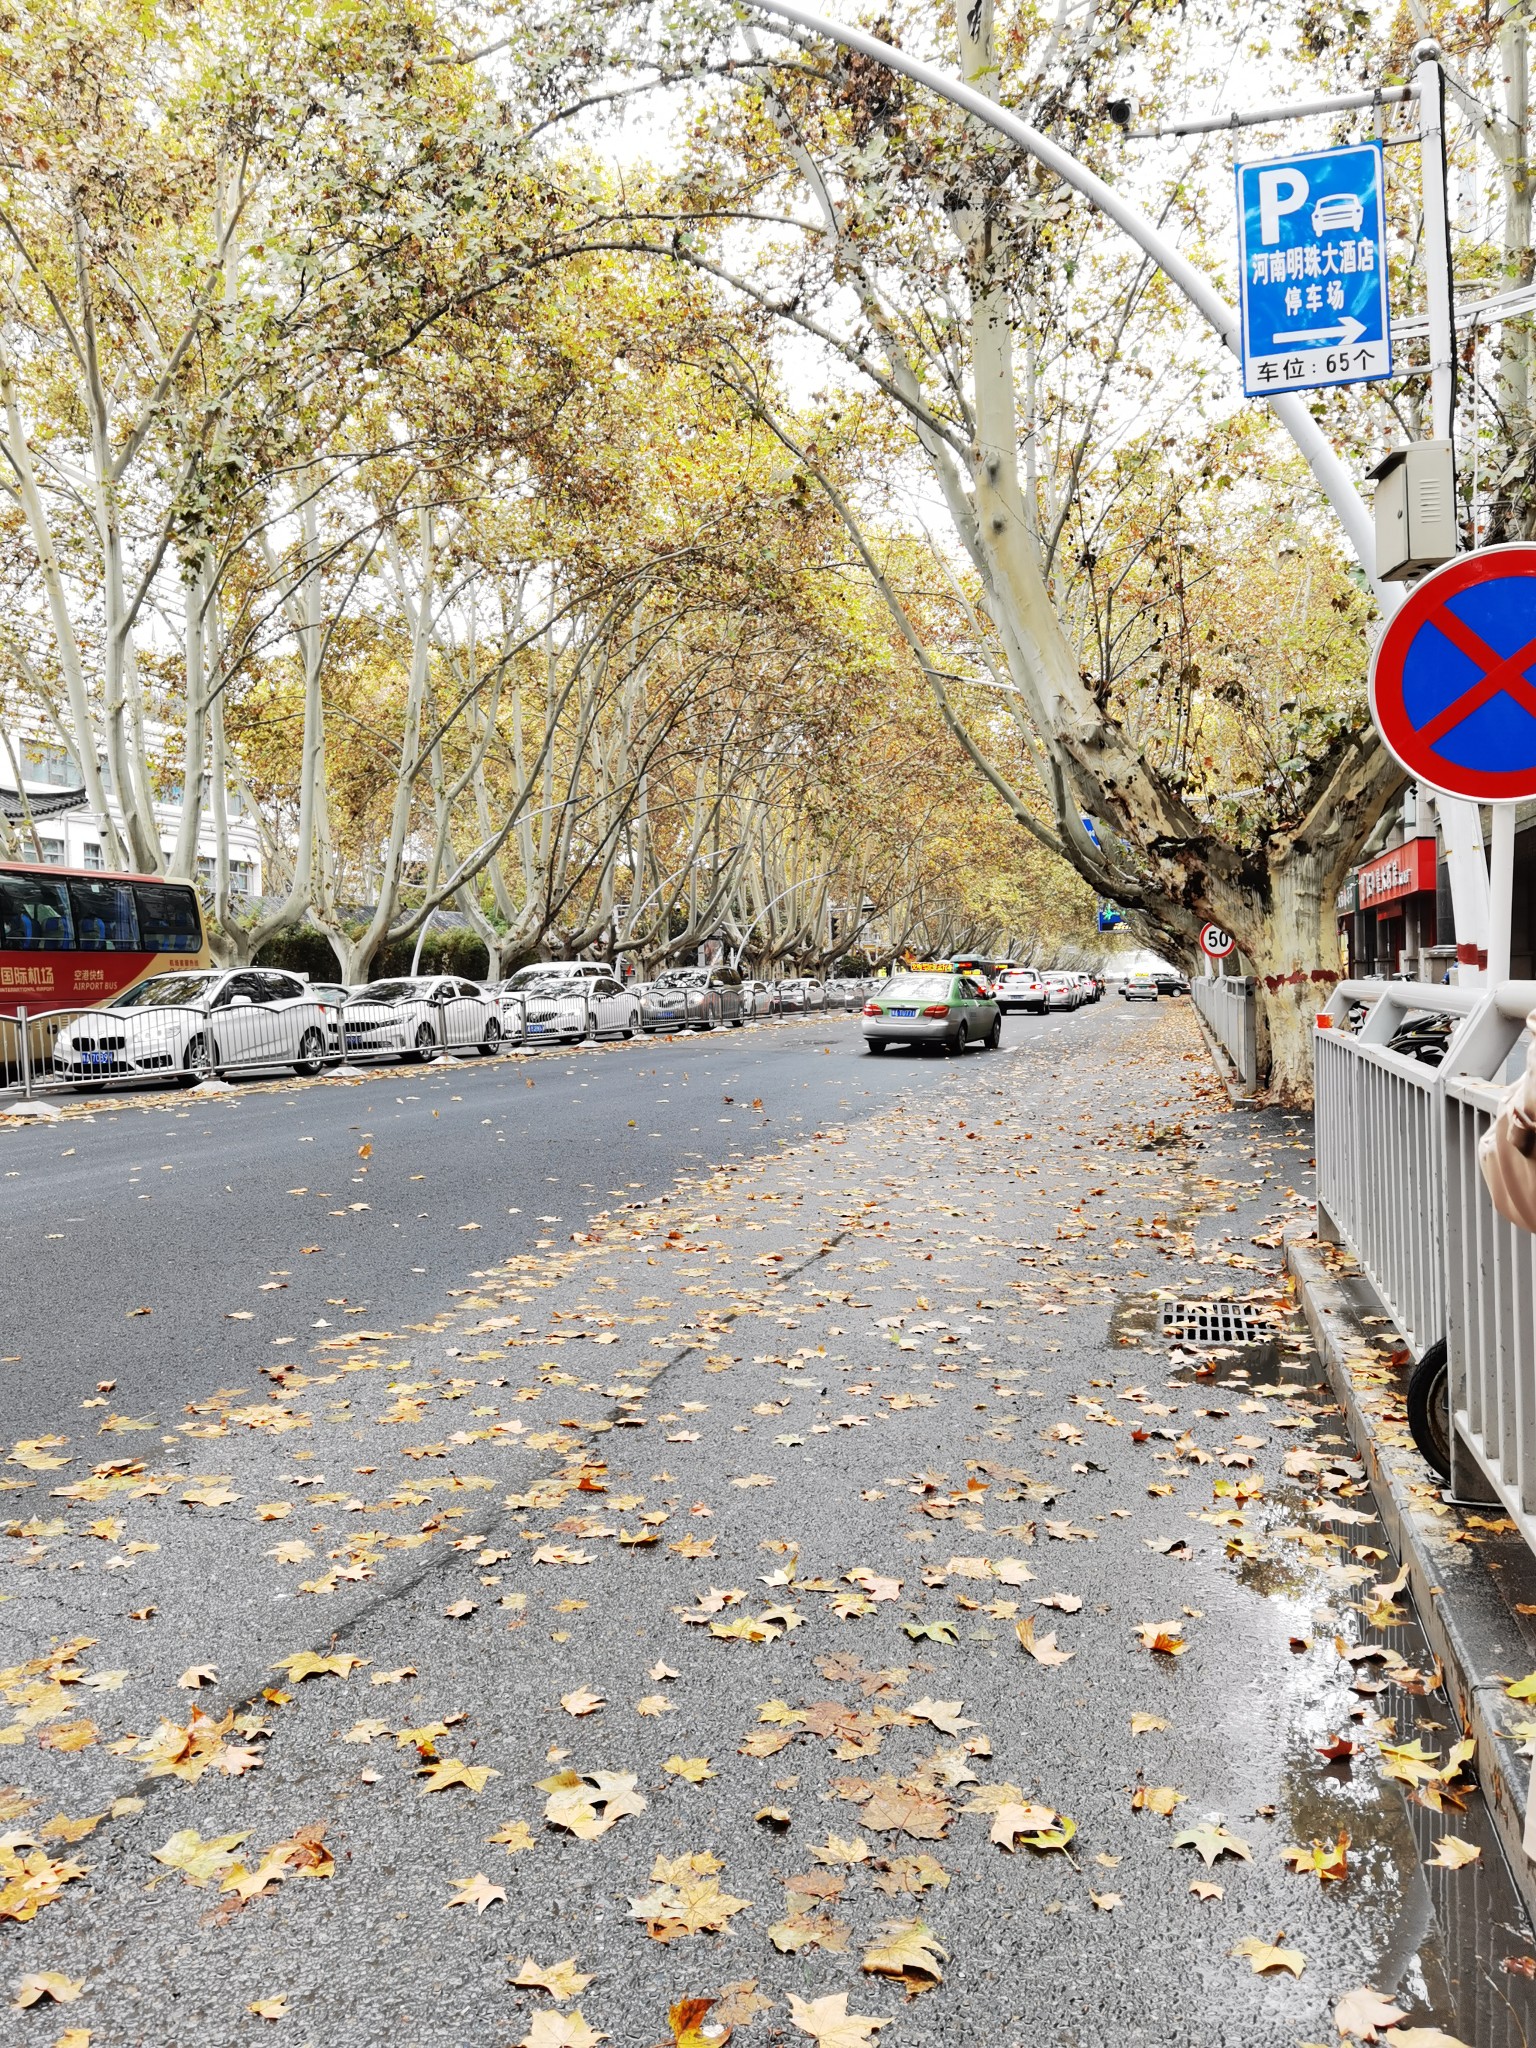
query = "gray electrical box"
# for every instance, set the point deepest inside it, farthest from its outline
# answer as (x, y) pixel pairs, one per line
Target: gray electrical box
(1415, 509)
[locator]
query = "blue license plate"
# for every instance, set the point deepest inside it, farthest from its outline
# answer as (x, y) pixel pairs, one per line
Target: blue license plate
(903, 1013)
(97, 1059)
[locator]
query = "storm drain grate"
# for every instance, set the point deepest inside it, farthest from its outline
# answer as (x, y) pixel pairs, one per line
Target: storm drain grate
(1214, 1322)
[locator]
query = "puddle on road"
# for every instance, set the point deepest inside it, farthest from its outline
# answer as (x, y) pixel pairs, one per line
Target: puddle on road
(1442, 1938)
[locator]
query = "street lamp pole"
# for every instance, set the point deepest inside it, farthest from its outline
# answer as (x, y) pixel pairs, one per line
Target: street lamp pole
(1291, 410)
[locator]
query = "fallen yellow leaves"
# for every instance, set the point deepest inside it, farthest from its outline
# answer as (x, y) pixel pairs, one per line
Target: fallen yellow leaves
(909, 1951)
(1037, 1827)
(275, 2008)
(40, 1984)
(1165, 1637)
(1042, 1648)
(560, 2030)
(830, 2024)
(1147, 1724)
(1264, 1956)
(441, 1772)
(687, 1898)
(1210, 1840)
(479, 1892)
(653, 1705)
(185, 1753)
(1156, 1799)
(516, 1835)
(302, 1664)
(695, 1769)
(199, 1861)
(588, 1804)
(1451, 1853)
(1327, 1861)
(560, 1980)
(1364, 2015)
(29, 1877)
(582, 1701)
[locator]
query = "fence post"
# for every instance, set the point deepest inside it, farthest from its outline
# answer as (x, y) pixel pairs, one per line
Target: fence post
(24, 1052)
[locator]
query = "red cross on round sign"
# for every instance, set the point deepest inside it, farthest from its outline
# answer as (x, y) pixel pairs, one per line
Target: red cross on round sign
(1214, 942)
(1453, 678)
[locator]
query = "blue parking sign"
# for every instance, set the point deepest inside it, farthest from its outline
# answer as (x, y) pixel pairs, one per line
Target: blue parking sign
(1312, 237)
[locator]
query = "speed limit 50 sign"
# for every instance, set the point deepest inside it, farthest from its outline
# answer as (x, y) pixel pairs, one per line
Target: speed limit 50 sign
(1214, 942)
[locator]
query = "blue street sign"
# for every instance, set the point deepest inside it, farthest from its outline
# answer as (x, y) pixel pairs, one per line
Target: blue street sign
(1111, 916)
(1312, 237)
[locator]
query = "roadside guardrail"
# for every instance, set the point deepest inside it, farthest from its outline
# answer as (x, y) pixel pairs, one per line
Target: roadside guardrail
(1228, 1005)
(1398, 1182)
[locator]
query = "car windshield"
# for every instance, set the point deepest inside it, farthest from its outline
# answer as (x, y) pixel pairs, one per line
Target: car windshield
(166, 991)
(552, 985)
(397, 991)
(908, 988)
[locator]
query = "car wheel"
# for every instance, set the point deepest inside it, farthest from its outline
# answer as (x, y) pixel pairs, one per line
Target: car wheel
(424, 1044)
(311, 1057)
(193, 1062)
(1429, 1408)
(490, 1045)
(995, 1035)
(958, 1043)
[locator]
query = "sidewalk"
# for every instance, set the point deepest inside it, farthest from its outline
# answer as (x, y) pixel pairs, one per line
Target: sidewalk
(825, 1588)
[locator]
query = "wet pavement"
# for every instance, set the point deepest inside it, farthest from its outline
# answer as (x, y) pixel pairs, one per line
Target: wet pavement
(834, 1544)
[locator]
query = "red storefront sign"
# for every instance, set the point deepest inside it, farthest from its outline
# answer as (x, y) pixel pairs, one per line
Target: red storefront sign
(1408, 870)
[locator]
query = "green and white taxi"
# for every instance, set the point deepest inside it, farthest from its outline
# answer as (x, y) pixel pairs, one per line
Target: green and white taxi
(948, 1011)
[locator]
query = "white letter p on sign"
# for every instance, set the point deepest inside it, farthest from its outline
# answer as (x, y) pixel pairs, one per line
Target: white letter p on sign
(1280, 193)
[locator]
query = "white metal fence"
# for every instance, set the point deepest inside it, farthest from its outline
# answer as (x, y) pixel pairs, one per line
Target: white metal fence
(1228, 1005)
(1379, 1146)
(1399, 1183)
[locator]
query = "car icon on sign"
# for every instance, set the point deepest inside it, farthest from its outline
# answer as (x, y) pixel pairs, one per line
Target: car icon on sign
(1336, 210)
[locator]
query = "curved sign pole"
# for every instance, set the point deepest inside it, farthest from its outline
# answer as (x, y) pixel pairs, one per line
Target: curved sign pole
(1463, 827)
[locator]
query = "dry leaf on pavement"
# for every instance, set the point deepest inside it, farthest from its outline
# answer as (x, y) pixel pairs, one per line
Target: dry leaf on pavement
(40, 1984)
(588, 1805)
(909, 1951)
(476, 1891)
(514, 1836)
(560, 1980)
(1269, 1955)
(274, 2008)
(560, 2030)
(830, 2024)
(1364, 2015)
(1211, 1840)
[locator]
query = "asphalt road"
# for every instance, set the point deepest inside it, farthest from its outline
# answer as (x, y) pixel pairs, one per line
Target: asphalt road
(859, 1411)
(197, 1208)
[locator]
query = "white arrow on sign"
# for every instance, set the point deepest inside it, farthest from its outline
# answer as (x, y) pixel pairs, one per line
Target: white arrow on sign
(1348, 331)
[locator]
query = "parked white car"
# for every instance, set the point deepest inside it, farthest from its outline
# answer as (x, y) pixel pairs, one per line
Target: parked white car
(358, 1028)
(573, 1006)
(182, 1026)
(440, 1011)
(550, 970)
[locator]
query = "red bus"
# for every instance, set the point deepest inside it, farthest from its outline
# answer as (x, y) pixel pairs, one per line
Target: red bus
(73, 937)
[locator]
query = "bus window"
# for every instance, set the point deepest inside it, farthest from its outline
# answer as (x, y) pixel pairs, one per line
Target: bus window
(168, 919)
(104, 917)
(34, 915)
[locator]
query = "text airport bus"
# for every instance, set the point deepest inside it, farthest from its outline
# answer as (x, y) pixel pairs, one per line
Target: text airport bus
(74, 937)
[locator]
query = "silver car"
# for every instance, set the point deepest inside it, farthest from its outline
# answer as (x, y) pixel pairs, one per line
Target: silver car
(441, 1011)
(936, 1011)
